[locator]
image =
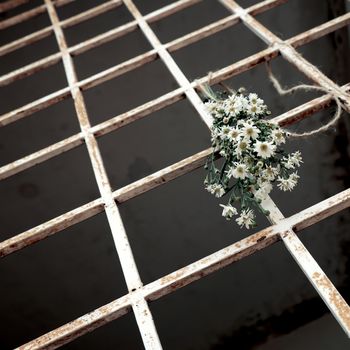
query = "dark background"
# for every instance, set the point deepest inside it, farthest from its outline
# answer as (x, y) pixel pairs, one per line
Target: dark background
(263, 302)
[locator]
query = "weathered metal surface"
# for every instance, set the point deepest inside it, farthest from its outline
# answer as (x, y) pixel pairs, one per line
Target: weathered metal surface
(90, 209)
(322, 284)
(51, 227)
(41, 155)
(133, 281)
(118, 32)
(87, 44)
(169, 63)
(44, 32)
(303, 111)
(309, 266)
(217, 76)
(283, 228)
(287, 118)
(211, 263)
(24, 16)
(288, 51)
(307, 263)
(80, 326)
(34, 106)
(162, 176)
(99, 39)
(167, 174)
(11, 4)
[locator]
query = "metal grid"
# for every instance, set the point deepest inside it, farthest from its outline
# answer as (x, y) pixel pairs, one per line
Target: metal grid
(281, 229)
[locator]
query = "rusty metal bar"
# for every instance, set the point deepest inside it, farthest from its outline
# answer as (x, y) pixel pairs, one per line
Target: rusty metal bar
(133, 63)
(287, 118)
(130, 191)
(11, 4)
(121, 31)
(191, 273)
(110, 35)
(90, 209)
(69, 22)
(42, 231)
(80, 326)
(169, 62)
(324, 287)
(322, 284)
(287, 51)
(139, 305)
(99, 39)
(77, 139)
(24, 16)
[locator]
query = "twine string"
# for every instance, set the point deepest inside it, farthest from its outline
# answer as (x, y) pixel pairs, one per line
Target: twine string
(336, 95)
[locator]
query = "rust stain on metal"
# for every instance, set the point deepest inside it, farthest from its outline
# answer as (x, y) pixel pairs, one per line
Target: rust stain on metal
(24, 16)
(335, 298)
(261, 239)
(11, 4)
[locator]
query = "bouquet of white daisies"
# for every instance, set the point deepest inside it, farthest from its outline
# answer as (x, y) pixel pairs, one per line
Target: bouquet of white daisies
(252, 155)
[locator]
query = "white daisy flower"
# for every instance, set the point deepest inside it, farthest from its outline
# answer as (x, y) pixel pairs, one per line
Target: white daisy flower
(211, 107)
(278, 136)
(294, 177)
(266, 187)
(232, 98)
(263, 191)
(256, 101)
(209, 188)
(292, 160)
(264, 149)
(246, 218)
(218, 191)
(260, 102)
(250, 131)
(229, 211)
(231, 107)
(260, 194)
(223, 153)
(296, 158)
(242, 146)
(270, 172)
(253, 98)
(288, 162)
(224, 133)
(242, 123)
(231, 110)
(241, 103)
(254, 110)
(238, 171)
(234, 134)
(286, 184)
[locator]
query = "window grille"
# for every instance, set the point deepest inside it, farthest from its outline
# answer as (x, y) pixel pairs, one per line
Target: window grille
(281, 228)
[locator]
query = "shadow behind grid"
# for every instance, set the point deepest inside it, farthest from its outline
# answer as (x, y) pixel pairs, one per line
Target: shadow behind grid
(62, 278)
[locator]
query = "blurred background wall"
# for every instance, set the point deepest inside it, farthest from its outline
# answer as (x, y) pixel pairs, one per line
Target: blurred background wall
(262, 302)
